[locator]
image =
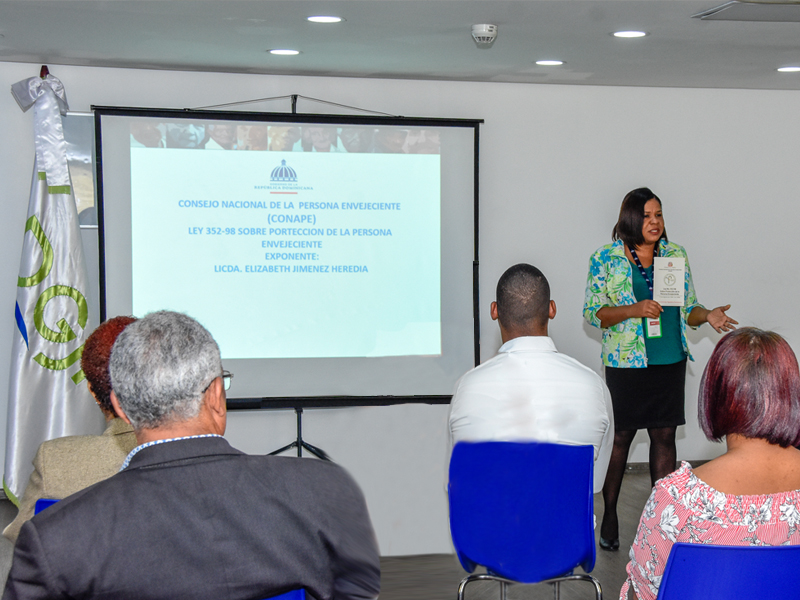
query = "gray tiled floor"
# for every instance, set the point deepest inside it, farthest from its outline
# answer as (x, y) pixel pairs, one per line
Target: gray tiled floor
(436, 576)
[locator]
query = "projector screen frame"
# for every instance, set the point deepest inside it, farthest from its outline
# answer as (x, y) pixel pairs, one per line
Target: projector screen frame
(299, 402)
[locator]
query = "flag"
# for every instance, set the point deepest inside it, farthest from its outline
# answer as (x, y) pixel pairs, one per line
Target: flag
(47, 396)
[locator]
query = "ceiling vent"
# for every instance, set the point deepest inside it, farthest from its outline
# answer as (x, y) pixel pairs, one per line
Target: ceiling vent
(484, 34)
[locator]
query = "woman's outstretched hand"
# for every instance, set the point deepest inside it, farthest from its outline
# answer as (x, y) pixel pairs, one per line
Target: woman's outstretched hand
(721, 322)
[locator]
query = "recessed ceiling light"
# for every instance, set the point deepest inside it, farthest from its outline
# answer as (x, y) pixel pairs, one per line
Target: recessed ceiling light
(284, 52)
(325, 19)
(789, 69)
(549, 63)
(629, 34)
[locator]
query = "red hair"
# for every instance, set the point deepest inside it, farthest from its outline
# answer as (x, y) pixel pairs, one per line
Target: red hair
(95, 357)
(751, 386)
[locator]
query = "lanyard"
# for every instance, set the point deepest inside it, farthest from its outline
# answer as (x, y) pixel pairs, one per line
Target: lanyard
(641, 268)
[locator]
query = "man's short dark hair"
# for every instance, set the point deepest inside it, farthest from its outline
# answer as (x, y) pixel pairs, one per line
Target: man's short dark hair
(523, 298)
(631, 217)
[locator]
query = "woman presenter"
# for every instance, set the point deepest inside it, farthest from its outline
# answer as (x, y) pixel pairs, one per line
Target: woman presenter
(644, 343)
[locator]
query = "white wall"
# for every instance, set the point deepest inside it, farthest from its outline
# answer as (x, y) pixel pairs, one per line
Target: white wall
(555, 164)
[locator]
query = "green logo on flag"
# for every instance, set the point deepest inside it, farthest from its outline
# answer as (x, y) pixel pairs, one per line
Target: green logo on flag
(65, 333)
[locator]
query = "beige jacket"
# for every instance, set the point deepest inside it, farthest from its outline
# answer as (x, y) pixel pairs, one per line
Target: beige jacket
(67, 465)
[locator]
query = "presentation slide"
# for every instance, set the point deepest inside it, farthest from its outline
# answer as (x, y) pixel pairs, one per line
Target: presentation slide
(327, 256)
(327, 259)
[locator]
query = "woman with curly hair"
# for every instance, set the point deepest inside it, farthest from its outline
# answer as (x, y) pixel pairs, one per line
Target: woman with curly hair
(66, 465)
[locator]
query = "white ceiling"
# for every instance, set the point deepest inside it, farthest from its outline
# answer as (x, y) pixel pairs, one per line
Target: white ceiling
(415, 39)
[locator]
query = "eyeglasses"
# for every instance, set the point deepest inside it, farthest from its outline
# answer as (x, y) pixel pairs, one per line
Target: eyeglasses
(226, 381)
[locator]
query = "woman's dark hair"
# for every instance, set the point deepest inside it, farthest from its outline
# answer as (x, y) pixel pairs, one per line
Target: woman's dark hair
(95, 357)
(751, 386)
(631, 217)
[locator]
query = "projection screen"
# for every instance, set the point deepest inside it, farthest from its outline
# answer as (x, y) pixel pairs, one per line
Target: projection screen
(333, 258)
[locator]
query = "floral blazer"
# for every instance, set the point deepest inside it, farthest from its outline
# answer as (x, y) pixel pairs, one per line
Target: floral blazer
(610, 284)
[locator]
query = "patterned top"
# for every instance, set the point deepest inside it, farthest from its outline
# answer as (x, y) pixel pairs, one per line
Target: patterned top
(682, 508)
(610, 284)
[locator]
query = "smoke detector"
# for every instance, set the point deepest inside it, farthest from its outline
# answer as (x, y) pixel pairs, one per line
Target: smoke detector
(484, 34)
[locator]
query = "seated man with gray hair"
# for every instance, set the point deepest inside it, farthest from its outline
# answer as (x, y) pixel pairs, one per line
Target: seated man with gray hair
(188, 516)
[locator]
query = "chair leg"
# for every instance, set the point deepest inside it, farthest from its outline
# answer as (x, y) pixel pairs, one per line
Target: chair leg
(598, 591)
(462, 587)
(554, 582)
(483, 577)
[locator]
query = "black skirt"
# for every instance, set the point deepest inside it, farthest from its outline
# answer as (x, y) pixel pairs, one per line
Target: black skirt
(648, 398)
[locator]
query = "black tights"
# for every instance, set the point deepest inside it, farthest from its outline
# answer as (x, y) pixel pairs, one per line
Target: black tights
(662, 463)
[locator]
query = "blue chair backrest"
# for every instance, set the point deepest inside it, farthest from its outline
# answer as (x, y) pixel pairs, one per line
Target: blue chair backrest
(293, 595)
(730, 572)
(524, 510)
(43, 503)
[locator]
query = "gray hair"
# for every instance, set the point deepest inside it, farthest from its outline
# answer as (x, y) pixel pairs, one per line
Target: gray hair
(161, 367)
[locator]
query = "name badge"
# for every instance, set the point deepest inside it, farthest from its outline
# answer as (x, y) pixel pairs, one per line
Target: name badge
(652, 327)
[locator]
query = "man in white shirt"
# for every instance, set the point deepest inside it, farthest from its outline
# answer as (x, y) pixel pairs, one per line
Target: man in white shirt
(529, 391)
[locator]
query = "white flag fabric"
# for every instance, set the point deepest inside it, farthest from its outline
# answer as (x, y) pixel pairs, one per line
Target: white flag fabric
(47, 396)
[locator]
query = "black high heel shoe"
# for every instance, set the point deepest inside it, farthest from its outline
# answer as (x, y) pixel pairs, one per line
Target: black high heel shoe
(610, 545)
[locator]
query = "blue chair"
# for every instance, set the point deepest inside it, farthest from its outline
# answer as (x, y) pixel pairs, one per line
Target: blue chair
(293, 595)
(730, 572)
(43, 503)
(523, 510)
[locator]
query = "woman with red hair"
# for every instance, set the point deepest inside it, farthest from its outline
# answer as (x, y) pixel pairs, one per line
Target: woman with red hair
(749, 496)
(66, 465)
